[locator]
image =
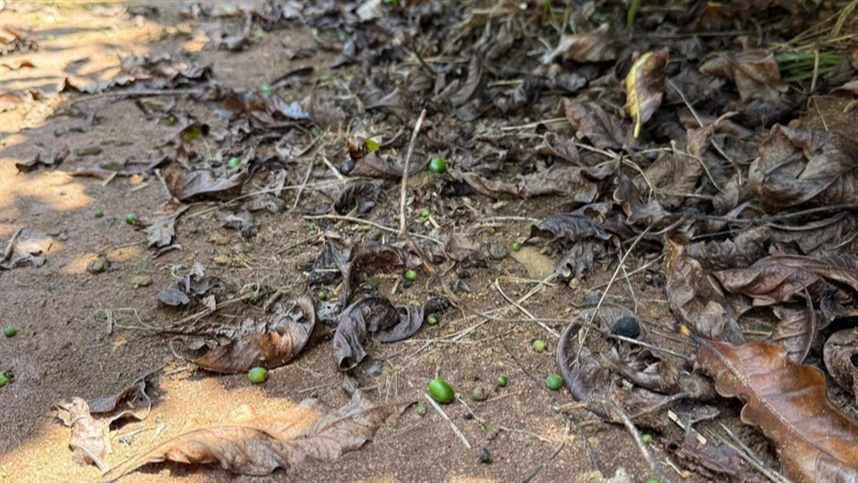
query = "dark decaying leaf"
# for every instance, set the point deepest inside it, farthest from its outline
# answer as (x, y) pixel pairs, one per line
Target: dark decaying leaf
(251, 444)
(841, 359)
(720, 458)
(754, 72)
(591, 122)
(129, 168)
(270, 345)
(261, 110)
(38, 160)
(816, 441)
(795, 330)
(367, 259)
(26, 248)
(639, 209)
(203, 183)
(596, 46)
(241, 37)
(579, 258)
(562, 180)
(570, 226)
(386, 167)
(780, 278)
(693, 298)
(674, 173)
(588, 380)
(472, 84)
(89, 440)
(462, 249)
(131, 402)
(359, 194)
(376, 315)
(194, 284)
(803, 166)
(644, 86)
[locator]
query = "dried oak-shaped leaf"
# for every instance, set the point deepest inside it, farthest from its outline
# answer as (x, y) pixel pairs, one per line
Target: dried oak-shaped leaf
(795, 330)
(720, 458)
(279, 341)
(376, 315)
(778, 278)
(372, 165)
(161, 231)
(840, 353)
(693, 298)
(203, 183)
(472, 84)
(591, 122)
(131, 402)
(26, 247)
(364, 260)
(252, 444)
(571, 226)
(596, 46)
(644, 86)
(639, 209)
(815, 439)
(754, 72)
(89, 441)
(462, 249)
(800, 165)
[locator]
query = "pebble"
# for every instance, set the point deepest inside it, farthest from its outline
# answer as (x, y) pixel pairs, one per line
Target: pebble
(141, 281)
(497, 251)
(99, 265)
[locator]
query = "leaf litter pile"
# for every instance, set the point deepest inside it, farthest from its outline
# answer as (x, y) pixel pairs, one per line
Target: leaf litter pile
(650, 155)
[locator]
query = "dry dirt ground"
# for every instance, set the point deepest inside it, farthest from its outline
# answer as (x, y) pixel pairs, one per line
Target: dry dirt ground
(64, 346)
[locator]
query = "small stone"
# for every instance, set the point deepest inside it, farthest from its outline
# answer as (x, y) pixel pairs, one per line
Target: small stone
(497, 251)
(99, 265)
(479, 394)
(485, 456)
(221, 259)
(63, 236)
(141, 281)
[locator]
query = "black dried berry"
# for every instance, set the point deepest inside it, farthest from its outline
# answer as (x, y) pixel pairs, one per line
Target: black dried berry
(627, 327)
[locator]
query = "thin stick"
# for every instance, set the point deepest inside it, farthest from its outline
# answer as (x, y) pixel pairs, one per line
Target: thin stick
(532, 473)
(168, 92)
(404, 184)
(636, 435)
(452, 424)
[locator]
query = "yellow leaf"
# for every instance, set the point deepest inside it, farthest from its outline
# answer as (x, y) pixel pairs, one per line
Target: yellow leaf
(644, 86)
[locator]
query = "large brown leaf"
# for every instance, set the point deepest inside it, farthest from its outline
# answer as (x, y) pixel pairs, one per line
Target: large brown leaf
(591, 122)
(815, 439)
(754, 72)
(251, 444)
(202, 183)
(271, 345)
(596, 46)
(803, 166)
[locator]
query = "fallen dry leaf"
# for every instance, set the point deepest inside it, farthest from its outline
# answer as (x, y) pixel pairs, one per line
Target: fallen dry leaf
(804, 166)
(644, 86)
(754, 72)
(590, 121)
(89, 440)
(816, 441)
(269, 345)
(252, 444)
(840, 353)
(596, 46)
(204, 183)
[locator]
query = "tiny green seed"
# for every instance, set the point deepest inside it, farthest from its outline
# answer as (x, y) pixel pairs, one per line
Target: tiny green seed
(425, 212)
(233, 162)
(371, 145)
(130, 218)
(410, 275)
(420, 409)
(646, 438)
(516, 246)
(265, 89)
(441, 391)
(653, 480)
(431, 320)
(98, 213)
(492, 230)
(539, 345)
(501, 381)
(323, 295)
(554, 381)
(437, 165)
(257, 375)
(4, 379)
(10, 331)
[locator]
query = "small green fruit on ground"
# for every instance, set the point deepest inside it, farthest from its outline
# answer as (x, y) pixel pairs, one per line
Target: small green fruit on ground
(554, 381)
(265, 89)
(425, 212)
(233, 162)
(437, 165)
(257, 375)
(410, 275)
(4, 379)
(10, 331)
(98, 213)
(130, 218)
(502, 381)
(431, 320)
(516, 246)
(441, 391)
(646, 437)
(539, 345)
(323, 295)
